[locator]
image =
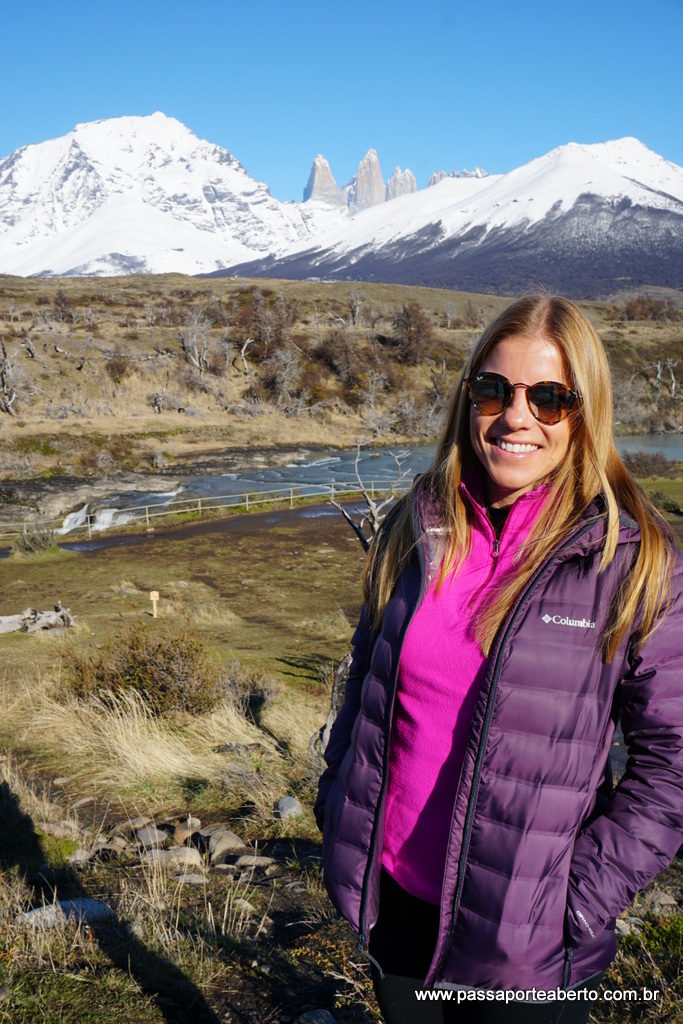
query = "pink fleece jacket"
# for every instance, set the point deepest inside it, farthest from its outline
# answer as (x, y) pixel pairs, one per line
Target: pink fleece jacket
(440, 670)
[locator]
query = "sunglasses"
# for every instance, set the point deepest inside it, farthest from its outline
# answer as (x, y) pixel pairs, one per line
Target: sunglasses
(548, 401)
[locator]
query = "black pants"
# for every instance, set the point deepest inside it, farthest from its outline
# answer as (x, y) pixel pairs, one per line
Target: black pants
(403, 943)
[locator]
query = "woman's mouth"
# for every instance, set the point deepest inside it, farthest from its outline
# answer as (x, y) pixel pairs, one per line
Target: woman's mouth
(515, 448)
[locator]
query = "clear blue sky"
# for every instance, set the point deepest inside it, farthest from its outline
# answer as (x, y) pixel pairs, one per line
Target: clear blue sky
(441, 85)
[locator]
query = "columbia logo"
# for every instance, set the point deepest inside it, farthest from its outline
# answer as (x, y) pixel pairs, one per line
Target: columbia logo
(562, 620)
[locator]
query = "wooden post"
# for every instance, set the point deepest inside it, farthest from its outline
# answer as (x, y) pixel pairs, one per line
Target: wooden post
(372, 488)
(88, 521)
(154, 597)
(291, 497)
(332, 490)
(147, 515)
(246, 502)
(199, 507)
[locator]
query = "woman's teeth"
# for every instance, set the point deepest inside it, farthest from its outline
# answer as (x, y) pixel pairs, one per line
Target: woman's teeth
(507, 447)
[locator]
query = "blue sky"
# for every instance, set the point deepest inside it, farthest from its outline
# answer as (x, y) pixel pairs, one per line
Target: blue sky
(431, 86)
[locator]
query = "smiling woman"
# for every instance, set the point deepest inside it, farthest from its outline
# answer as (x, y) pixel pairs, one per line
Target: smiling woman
(520, 599)
(516, 447)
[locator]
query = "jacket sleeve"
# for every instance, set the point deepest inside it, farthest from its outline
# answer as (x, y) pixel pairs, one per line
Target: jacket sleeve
(340, 734)
(622, 850)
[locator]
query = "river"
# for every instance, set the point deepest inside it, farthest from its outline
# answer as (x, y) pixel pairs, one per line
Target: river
(305, 471)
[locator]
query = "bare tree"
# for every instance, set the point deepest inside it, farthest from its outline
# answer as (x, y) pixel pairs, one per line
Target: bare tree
(374, 513)
(282, 377)
(356, 300)
(8, 388)
(194, 339)
(671, 365)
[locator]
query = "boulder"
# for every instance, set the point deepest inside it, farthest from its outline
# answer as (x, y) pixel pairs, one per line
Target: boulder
(150, 836)
(85, 910)
(288, 807)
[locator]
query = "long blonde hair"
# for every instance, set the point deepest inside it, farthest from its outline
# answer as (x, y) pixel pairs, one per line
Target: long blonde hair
(592, 467)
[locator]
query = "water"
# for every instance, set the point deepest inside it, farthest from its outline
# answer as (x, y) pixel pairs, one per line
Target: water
(306, 475)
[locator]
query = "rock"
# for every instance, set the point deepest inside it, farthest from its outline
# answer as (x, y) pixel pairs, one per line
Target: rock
(151, 836)
(401, 183)
(254, 860)
(663, 902)
(191, 879)
(276, 871)
(321, 184)
(61, 781)
(367, 188)
(174, 858)
(206, 831)
(315, 1017)
(186, 828)
(85, 910)
(83, 802)
(79, 856)
(135, 823)
(288, 807)
(225, 844)
(60, 829)
(119, 843)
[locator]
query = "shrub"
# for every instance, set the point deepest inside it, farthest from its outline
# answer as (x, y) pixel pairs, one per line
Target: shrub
(249, 691)
(168, 668)
(117, 366)
(413, 332)
(33, 540)
(644, 464)
(665, 503)
(645, 307)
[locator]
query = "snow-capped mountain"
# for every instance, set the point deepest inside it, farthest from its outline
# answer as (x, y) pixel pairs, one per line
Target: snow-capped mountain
(137, 194)
(584, 219)
(144, 194)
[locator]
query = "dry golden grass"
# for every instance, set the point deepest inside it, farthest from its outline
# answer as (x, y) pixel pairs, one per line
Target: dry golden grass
(112, 745)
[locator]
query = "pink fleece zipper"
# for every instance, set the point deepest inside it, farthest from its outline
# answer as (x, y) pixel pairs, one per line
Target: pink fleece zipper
(440, 671)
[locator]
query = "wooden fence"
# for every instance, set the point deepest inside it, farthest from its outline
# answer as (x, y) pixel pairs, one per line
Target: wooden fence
(250, 501)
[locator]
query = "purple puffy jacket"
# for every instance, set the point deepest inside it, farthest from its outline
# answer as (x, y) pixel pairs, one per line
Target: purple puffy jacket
(536, 871)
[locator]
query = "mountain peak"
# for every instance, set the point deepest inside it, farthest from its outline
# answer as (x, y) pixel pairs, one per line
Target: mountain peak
(367, 188)
(321, 184)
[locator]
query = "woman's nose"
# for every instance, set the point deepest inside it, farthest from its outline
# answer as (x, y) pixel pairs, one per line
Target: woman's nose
(518, 414)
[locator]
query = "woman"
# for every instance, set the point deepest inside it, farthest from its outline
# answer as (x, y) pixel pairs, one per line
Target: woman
(520, 599)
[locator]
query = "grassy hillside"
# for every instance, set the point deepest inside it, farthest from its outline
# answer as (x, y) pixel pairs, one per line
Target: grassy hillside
(141, 372)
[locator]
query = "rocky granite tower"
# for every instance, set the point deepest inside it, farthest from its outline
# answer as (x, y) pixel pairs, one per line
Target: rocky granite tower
(367, 188)
(321, 184)
(401, 183)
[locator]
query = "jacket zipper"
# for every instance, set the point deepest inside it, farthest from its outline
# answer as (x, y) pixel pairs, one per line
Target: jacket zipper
(364, 937)
(469, 816)
(567, 972)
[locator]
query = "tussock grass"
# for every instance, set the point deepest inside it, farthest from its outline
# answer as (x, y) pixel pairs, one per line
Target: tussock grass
(113, 745)
(333, 625)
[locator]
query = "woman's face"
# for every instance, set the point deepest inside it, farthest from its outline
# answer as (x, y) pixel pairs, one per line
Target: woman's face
(525, 359)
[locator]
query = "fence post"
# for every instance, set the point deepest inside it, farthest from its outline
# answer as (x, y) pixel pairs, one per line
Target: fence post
(199, 507)
(246, 502)
(87, 519)
(146, 515)
(332, 490)
(372, 488)
(291, 497)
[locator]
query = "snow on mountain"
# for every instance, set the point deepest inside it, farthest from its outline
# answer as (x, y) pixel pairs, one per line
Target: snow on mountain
(137, 194)
(144, 194)
(581, 218)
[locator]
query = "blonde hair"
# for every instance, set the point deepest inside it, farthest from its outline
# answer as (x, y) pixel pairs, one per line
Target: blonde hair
(592, 467)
